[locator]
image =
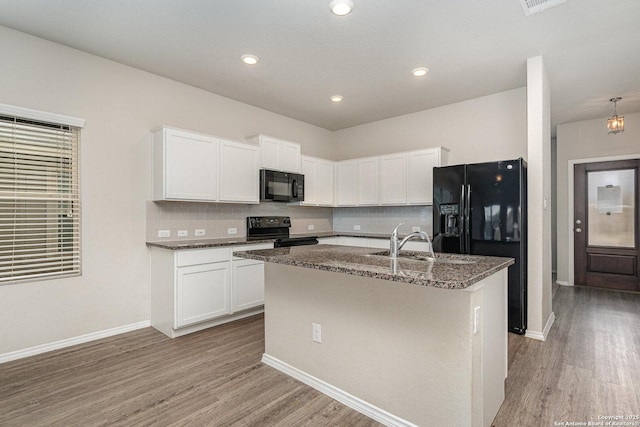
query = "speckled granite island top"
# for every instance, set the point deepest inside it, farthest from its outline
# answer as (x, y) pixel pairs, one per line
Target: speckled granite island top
(449, 271)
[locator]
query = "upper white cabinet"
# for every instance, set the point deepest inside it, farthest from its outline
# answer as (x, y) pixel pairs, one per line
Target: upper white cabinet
(368, 182)
(239, 177)
(195, 167)
(347, 183)
(421, 164)
(185, 165)
(277, 154)
(393, 179)
(319, 175)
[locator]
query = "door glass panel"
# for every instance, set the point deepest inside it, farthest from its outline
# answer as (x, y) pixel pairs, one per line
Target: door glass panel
(611, 205)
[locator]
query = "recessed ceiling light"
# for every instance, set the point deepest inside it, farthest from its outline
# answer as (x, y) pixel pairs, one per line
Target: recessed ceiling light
(419, 72)
(336, 98)
(341, 7)
(250, 59)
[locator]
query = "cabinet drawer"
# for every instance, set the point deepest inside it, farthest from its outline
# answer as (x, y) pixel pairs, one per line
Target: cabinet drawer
(202, 256)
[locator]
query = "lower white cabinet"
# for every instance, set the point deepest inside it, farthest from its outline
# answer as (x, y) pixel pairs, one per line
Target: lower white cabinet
(248, 284)
(194, 289)
(202, 292)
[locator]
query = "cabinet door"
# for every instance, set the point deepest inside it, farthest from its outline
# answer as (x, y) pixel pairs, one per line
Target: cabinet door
(239, 172)
(270, 153)
(421, 165)
(309, 170)
(347, 183)
(248, 284)
(325, 187)
(290, 160)
(190, 166)
(393, 179)
(368, 189)
(202, 293)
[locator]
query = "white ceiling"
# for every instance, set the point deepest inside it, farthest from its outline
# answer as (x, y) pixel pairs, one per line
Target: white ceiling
(473, 48)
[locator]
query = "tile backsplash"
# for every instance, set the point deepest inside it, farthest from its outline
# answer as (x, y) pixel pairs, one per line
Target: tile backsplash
(382, 219)
(217, 218)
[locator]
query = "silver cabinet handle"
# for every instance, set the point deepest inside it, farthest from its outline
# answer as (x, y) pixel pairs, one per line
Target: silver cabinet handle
(578, 230)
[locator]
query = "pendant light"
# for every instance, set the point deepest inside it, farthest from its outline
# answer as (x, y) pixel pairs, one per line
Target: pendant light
(616, 123)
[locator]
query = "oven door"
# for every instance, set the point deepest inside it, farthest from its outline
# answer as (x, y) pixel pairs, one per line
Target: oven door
(275, 186)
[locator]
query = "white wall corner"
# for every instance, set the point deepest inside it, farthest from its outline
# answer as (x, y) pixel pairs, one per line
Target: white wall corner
(539, 190)
(542, 336)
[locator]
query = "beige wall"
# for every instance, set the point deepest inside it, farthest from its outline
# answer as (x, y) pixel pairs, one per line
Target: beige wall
(120, 105)
(578, 142)
(490, 128)
(539, 315)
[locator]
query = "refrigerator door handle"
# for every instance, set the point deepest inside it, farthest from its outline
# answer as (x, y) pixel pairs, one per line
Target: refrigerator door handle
(463, 220)
(467, 221)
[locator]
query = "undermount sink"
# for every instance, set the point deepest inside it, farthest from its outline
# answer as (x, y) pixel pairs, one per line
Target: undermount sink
(417, 256)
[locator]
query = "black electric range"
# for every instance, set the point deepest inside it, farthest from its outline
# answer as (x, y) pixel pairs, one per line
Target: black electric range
(275, 227)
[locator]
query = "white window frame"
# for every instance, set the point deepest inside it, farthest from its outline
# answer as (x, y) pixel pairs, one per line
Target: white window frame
(6, 254)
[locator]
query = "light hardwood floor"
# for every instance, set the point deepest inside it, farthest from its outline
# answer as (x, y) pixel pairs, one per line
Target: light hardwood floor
(589, 366)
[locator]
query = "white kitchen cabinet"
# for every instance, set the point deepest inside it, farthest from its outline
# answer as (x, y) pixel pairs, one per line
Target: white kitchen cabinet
(421, 164)
(393, 179)
(194, 289)
(239, 177)
(347, 183)
(318, 181)
(185, 165)
(248, 284)
(247, 279)
(202, 292)
(277, 154)
(368, 180)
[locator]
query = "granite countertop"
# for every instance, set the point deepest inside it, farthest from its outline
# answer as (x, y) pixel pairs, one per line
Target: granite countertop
(175, 245)
(371, 262)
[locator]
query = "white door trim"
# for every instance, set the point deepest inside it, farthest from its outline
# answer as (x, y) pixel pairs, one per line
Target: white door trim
(570, 200)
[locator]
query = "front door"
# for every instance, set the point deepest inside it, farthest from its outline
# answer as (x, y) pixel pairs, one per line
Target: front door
(606, 224)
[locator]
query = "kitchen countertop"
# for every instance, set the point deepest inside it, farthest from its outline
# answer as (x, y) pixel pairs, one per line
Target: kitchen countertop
(242, 240)
(367, 262)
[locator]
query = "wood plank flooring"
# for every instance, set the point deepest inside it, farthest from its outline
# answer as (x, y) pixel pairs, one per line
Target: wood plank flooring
(589, 366)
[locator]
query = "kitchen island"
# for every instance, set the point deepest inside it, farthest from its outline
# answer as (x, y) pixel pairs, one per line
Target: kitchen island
(406, 342)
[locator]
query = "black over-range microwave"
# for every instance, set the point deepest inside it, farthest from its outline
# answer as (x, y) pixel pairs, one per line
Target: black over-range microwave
(276, 186)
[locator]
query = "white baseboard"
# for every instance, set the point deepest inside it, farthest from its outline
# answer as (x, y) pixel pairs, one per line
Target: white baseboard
(43, 348)
(340, 395)
(542, 336)
(563, 283)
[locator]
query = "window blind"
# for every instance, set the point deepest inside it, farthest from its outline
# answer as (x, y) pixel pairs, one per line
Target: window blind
(39, 200)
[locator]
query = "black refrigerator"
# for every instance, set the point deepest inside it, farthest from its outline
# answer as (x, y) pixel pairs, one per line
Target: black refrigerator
(481, 209)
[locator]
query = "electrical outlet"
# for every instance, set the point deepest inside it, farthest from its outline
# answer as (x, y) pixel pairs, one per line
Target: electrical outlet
(311, 227)
(200, 232)
(164, 233)
(317, 333)
(232, 230)
(356, 227)
(476, 320)
(415, 229)
(183, 233)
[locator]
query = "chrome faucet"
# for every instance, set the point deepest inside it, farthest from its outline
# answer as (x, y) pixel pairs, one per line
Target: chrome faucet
(396, 244)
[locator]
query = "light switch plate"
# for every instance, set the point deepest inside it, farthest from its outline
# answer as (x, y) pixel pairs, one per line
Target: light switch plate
(183, 233)
(311, 227)
(232, 230)
(164, 233)
(200, 232)
(415, 229)
(356, 227)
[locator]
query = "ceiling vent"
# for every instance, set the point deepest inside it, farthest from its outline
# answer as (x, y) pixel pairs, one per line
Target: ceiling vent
(536, 6)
